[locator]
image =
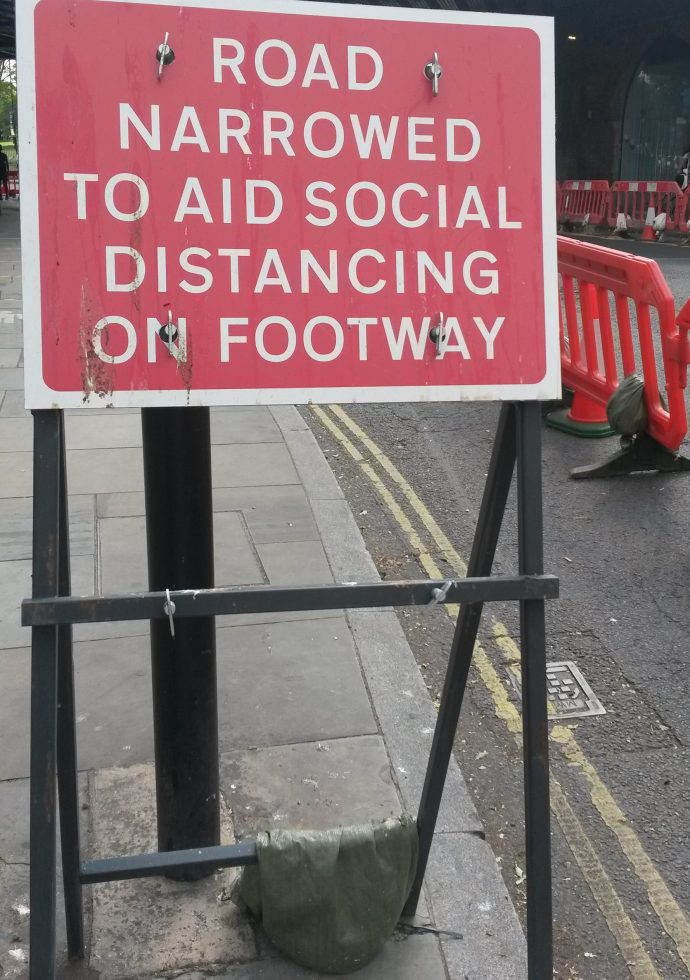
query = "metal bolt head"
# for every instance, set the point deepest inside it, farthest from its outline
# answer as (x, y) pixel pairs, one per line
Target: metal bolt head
(433, 72)
(165, 54)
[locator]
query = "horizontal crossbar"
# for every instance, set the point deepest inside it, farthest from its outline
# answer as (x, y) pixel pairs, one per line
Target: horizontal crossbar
(169, 862)
(269, 599)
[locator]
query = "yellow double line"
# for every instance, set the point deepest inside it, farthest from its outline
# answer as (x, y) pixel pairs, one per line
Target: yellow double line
(378, 469)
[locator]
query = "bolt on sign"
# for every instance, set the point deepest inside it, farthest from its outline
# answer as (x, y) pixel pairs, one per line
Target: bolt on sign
(242, 201)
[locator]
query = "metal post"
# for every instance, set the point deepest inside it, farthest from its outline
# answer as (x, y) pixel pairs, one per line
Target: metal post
(67, 770)
(44, 652)
(486, 534)
(179, 528)
(534, 704)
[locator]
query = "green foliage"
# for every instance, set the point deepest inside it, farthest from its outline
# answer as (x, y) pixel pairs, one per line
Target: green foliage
(8, 109)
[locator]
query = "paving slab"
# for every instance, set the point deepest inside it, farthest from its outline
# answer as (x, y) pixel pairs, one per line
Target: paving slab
(467, 895)
(243, 425)
(10, 356)
(153, 924)
(290, 682)
(15, 585)
(295, 563)
(12, 378)
(10, 339)
(16, 434)
(15, 712)
(13, 405)
(288, 419)
(278, 683)
(260, 464)
(309, 786)
(103, 430)
(273, 514)
(123, 560)
(16, 529)
(14, 881)
(301, 444)
(406, 714)
(17, 473)
(402, 958)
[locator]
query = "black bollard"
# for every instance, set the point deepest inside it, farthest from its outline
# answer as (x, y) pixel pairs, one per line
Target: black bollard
(179, 530)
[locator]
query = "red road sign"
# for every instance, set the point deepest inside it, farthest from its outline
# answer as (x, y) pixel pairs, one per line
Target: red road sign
(292, 197)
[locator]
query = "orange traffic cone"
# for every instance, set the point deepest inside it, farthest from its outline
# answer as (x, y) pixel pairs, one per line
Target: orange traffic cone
(648, 230)
(584, 418)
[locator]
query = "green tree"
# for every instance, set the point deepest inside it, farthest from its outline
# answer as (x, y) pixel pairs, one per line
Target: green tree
(8, 107)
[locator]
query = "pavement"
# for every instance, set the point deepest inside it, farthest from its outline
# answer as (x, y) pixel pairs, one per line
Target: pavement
(324, 717)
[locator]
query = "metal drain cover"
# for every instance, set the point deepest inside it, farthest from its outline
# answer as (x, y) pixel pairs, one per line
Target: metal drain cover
(569, 695)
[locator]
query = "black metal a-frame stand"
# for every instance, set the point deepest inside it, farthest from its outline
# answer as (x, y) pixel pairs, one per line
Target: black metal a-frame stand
(52, 611)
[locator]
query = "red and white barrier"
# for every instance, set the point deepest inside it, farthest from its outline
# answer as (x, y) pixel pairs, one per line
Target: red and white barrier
(601, 343)
(635, 205)
(584, 202)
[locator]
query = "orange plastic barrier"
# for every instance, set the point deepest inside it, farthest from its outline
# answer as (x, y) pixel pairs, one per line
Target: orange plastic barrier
(584, 202)
(613, 308)
(633, 198)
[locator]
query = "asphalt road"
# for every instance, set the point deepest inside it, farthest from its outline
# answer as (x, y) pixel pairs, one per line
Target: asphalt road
(621, 549)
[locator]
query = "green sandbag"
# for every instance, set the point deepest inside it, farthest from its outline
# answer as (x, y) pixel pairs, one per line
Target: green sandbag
(626, 410)
(329, 899)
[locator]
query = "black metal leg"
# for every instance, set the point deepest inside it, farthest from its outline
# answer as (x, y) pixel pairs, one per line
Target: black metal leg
(179, 527)
(44, 652)
(534, 704)
(68, 788)
(486, 535)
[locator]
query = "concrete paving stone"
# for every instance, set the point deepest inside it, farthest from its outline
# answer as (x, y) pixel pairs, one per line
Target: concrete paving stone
(16, 527)
(128, 504)
(243, 424)
(10, 356)
(123, 561)
(406, 715)
(103, 430)
(261, 464)
(288, 418)
(113, 705)
(402, 958)
(17, 474)
(262, 499)
(15, 713)
(235, 559)
(273, 514)
(13, 406)
(153, 924)
(104, 470)
(309, 786)
(15, 585)
(468, 896)
(14, 880)
(315, 474)
(10, 340)
(104, 631)
(94, 410)
(295, 563)
(16, 434)
(290, 682)
(12, 378)
(277, 683)
(349, 558)
(122, 556)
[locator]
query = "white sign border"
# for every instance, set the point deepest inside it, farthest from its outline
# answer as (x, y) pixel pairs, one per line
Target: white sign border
(39, 395)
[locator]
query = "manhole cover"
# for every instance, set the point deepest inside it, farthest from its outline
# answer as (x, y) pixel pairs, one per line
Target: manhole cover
(569, 694)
